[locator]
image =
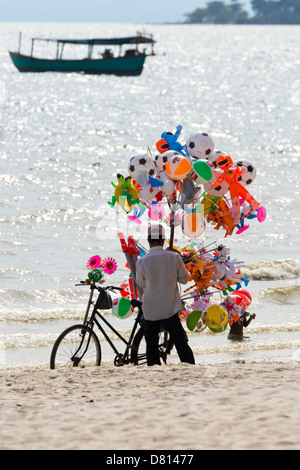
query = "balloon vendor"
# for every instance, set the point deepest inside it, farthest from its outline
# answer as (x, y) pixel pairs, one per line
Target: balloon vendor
(158, 273)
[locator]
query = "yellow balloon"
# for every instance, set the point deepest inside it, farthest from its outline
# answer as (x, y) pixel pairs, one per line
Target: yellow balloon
(216, 316)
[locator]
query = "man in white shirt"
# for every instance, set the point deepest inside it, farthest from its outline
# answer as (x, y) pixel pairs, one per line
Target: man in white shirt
(157, 273)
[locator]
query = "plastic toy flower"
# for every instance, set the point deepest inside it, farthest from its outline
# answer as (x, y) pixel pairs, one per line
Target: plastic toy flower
(94, 262)
(109, 265)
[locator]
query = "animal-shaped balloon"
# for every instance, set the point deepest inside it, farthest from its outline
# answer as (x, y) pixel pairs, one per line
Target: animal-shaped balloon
(247, 213)
(201, 302)
(209, 203)
(222, 217)
(169, 141)
(231, 176)
(201, 276)
(233, 309)
(188, 192)
(125, 195)
(227, 271)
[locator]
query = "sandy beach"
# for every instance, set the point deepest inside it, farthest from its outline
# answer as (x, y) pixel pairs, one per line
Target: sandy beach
(225, 406)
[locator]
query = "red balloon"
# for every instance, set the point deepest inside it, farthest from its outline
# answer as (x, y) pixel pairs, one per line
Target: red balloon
(244, 292)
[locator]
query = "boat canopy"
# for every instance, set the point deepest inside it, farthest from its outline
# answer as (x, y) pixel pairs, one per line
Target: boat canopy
(139, 38)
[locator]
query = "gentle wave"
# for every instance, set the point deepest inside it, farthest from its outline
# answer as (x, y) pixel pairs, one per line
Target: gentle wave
(281, 328)
(22, 340)
(70, 304)
(247, 346)
(273, 270)
(42, 305)
(258, 329)
(284, 295)
(40, 340)
(42, 315)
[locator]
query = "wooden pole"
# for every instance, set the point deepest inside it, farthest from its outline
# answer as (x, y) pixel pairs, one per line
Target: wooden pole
(20, 39)
(32, 46)
(172, 206)
(172, 221)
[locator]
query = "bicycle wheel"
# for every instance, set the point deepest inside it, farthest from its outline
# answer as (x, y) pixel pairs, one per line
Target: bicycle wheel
(78, 346)
(138, 351)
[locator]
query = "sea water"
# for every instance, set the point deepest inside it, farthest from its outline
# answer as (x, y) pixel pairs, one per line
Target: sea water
(64, 137)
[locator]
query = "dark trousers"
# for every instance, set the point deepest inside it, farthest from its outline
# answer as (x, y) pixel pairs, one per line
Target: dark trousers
(177, 335)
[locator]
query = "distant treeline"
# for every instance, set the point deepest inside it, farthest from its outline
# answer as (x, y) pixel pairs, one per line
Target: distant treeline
(264, 12)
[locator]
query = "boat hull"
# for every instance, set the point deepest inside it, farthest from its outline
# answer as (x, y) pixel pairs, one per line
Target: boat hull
(132, 65)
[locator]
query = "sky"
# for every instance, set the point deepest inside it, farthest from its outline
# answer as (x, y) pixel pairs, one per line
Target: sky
(116, 11)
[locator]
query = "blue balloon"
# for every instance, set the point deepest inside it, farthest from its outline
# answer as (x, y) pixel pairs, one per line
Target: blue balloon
(172, 140)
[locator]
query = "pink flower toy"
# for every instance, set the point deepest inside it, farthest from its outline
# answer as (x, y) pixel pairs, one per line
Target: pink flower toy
(109, 265)
(94, 262)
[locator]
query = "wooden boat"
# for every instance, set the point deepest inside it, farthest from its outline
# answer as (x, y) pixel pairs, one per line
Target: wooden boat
(130, 62)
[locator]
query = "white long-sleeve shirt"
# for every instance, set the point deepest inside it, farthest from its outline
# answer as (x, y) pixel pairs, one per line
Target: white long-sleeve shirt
(157, 273)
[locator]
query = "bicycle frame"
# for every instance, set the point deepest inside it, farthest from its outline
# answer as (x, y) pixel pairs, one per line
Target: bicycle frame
(124, 358)
(120, 358)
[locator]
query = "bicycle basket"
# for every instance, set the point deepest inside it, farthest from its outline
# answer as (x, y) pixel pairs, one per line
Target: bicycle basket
(104, 301)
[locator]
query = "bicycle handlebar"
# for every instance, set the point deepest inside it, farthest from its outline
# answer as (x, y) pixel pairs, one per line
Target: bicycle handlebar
(111, 288)
(99, 288)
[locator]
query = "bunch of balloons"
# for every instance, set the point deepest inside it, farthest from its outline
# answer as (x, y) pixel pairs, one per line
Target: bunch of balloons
(213, 271)
(191, 185)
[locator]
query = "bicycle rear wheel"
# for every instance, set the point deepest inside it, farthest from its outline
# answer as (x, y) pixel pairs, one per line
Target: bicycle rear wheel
(138, 351)
(77, 346)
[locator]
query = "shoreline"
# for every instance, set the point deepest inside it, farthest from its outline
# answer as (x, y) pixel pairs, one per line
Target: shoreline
(180, 407)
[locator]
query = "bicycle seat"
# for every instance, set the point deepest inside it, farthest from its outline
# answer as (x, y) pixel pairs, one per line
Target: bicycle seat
(136, 303)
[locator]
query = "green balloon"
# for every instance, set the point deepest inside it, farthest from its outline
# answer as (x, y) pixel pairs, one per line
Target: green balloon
(193, 319)
(203, 171)
(124, 307)
(218, 330)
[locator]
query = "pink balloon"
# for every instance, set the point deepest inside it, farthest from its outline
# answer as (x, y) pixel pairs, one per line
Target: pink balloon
(156, 212)
(261, 214)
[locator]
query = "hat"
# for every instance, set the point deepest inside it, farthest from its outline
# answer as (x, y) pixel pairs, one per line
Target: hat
(156, 232)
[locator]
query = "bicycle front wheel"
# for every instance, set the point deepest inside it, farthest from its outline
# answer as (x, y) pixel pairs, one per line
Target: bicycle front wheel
(78, 346)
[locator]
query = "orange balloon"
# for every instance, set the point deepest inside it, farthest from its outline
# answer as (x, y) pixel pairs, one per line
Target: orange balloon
(178, 167)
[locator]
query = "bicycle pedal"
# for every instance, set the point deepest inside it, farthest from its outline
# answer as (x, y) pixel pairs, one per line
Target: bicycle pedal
(119, 361)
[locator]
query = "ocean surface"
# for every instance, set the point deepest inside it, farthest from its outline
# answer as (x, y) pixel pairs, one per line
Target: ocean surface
(64, 137)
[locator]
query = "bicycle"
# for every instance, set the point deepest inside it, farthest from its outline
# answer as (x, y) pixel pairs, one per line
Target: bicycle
(79, 345)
